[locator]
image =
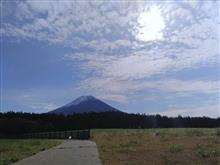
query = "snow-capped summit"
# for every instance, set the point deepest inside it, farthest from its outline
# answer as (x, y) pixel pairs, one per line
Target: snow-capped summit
(79, 100)
(83, 104)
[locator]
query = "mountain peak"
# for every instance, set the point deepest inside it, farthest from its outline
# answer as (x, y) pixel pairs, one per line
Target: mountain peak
(80, 100)
(88, 97)
(84, 104)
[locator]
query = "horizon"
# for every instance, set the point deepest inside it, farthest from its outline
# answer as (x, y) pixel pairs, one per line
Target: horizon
(139, 57)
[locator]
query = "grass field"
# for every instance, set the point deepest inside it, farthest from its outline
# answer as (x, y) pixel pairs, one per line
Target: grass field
(158, 146)
(14, 150)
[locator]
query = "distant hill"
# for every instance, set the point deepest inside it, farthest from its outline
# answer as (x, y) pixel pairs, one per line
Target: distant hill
(84, 104)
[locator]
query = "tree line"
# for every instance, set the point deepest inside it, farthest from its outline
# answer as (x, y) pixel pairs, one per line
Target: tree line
(13, 123)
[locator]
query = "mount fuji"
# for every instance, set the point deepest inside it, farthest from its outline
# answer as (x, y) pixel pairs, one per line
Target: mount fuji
(84, 104)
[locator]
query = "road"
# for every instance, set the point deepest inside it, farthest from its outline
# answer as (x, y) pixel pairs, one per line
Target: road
(70, 152)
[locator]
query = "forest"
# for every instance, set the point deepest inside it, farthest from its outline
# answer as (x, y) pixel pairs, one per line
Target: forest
(15, 123)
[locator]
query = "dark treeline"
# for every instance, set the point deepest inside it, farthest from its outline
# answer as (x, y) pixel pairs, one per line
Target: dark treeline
(17, 123)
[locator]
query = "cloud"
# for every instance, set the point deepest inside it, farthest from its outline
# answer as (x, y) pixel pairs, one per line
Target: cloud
(106, 46)
(114, 97)
(110, 27)
(208, 111)
(150, 25)
(67, 23)
(120, 74)
(128, 88)
(43, 106)
(32, 99)
(63, 22)
(168, 57)
(189, 86)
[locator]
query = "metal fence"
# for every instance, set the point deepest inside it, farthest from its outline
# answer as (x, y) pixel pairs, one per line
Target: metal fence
(75, 134)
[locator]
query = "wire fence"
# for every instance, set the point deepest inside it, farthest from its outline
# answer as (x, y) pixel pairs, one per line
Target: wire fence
(74, 134)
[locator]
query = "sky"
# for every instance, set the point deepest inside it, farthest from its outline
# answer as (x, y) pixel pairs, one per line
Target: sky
(152, 57)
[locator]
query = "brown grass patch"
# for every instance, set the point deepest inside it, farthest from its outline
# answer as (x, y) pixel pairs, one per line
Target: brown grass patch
(143, 147)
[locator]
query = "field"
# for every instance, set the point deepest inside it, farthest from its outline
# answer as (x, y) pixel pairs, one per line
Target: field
(14, 150)
(158, 146)
(177, 146)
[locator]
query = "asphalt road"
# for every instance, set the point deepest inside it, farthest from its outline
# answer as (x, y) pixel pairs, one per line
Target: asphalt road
(70, 152)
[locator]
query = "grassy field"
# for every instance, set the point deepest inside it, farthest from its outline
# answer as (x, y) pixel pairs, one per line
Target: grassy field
(14, 150)
(158, 146)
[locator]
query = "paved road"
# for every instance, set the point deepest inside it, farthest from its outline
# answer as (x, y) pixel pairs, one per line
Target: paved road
(72, 152)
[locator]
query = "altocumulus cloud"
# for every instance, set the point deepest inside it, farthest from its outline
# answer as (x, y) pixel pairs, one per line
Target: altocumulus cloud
(130, 47)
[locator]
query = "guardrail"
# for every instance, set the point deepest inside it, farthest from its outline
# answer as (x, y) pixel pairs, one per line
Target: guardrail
(75, 134)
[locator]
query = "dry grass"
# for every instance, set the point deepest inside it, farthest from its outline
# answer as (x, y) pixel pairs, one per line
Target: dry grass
(158, 146)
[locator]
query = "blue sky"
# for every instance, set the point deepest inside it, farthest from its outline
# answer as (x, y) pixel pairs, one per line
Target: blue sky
(138, 56)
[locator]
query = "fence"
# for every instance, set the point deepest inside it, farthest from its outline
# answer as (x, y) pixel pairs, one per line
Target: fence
(76, 134)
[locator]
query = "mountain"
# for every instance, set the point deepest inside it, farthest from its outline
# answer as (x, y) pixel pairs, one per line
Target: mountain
(84, 104)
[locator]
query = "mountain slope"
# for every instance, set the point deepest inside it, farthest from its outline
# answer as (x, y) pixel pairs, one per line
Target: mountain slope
(83, 104)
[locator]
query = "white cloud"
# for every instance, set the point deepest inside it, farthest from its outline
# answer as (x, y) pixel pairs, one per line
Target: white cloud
(150, 25)
(175, 88)
(188, 86)
(42, 106)
(108, 25)
(61, 22)
(113, 97)
(208, 111)
(139, 65)
(147, 63)
(105, 42)
(39, 99)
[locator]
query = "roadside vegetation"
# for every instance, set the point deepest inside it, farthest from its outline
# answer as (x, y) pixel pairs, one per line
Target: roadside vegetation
(14, 150)
(191, 146)
(15, 124)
